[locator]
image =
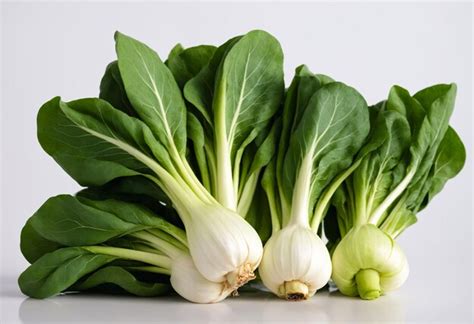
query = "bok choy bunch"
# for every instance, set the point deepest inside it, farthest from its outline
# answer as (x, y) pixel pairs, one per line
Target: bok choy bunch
(324, 124)
(410, 155)
(191, 165)
(140, 127)
(76, 243)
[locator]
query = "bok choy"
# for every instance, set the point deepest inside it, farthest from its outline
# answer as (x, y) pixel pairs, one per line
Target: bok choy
(145, 134)
(324, 124)
(191, 165)
(83, 244)
(410, 155)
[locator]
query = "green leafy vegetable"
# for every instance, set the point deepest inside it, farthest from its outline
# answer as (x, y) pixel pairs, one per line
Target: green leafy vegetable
(191, 164)
(97, 143)
(236, 95)
(91, 236)
(324, 125)
(408, 158)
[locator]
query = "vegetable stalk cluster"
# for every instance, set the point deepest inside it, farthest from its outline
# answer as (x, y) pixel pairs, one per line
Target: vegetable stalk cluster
(200, 169)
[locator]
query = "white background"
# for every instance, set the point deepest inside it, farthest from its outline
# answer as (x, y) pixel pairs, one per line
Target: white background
(51, 49)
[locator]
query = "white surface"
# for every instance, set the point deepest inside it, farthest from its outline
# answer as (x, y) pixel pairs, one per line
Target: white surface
(53, 49)
(419, 301)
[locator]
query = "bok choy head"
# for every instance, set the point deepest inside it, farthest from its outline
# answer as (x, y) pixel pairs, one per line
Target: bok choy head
(140, 129)
(77, 243)
(410, 155)
(324, 124)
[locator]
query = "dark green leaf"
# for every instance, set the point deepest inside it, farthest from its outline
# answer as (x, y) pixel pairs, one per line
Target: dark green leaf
(56, 271)
(124, 279)
(332, 129)
(449, 161)
(153, 92)
(33, 245)
(199, 91)
(113, 90)
(76, 221)
(189, 62)
(95, 142)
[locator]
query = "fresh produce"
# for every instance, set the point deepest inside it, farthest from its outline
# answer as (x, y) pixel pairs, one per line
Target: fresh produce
(80, 244)
(410, 155)
(96, 143)
(191, 165)
(324, 124)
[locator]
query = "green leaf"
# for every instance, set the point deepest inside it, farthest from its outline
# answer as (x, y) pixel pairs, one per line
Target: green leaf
(267, 149)
(56, 271)
(438, 103)
(153, 92)
(95, 143)
(33, 246)
(270, 186)
(259, 215)
(331, 131)
(249, 88)
(124, 279)
(175, 51)
(253, 161)
(198, 139)
(76, 221)
(449, 161)
(410, 155)
(247, 93)
(199, 91)
(135, 189)
(113, 90)
(400, 100)
(138, 190)
(373, 180)
(302, 88)
(189, 62)
(184, 66)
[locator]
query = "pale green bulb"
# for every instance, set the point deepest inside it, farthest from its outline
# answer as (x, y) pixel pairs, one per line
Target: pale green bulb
(368, 262)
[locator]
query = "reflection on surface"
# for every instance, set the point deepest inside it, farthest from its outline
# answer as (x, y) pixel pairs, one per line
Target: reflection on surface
(251, 306)
(106, 308)
(385, 308)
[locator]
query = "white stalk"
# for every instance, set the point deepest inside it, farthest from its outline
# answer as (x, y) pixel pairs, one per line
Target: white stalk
(224, 247)
(185, 279)
(301, 192)
(296, 263)
(376, 216)
(190, 284)
(225, 187)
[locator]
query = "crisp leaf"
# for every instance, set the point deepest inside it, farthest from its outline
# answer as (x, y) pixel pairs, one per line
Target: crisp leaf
(249, 87)
(113, 90)
(120, 277)
(199, 91)
(96, 143)
(449, 161)
(33, 246)
(153, 92)
(189, 62)
(76, 221)
(332, 129)
(56, 271)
